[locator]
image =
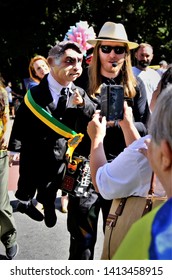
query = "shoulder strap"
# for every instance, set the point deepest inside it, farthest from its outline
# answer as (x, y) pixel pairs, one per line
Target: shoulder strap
(148, 205)
(53, 123)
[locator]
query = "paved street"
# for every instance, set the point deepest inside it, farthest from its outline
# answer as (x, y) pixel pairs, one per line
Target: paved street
(36, 241)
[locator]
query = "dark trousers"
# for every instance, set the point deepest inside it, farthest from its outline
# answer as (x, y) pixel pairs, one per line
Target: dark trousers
(82, 220)
(45, 184)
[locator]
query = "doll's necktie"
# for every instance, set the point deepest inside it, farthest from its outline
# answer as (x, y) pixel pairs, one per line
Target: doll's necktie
(61, 106)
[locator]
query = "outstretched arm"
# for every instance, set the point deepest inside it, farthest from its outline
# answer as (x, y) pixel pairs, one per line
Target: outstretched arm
(96, 130)
(127, 125)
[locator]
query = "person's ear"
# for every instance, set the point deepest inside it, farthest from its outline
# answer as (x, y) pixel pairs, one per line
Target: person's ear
(166, 155)
(51, 61)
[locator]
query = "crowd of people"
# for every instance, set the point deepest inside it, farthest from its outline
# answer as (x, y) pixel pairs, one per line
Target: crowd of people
(63, 111)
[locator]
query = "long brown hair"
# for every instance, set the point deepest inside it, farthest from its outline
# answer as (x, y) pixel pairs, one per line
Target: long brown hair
(95, 79)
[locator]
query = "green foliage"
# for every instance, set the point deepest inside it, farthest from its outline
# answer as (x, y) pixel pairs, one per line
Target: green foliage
(33, 26)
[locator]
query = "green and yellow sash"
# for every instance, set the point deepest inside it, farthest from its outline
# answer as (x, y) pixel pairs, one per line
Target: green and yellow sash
(53, 123)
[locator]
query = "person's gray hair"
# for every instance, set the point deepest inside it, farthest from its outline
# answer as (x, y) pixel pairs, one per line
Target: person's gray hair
(163, 62)
(59, 49)
(161, 121)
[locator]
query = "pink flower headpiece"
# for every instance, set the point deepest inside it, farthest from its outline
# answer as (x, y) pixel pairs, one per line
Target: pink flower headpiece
(80, 34)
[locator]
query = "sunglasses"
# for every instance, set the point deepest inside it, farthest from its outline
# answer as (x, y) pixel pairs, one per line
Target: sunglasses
(117, 49)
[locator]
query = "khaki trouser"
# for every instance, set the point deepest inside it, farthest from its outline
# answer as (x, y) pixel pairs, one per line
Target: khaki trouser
(7, 224)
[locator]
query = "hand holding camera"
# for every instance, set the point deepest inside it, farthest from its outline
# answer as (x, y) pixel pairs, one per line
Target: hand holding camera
(112, 102)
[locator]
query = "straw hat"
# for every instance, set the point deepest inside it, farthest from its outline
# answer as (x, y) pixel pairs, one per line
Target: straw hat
(114, 32)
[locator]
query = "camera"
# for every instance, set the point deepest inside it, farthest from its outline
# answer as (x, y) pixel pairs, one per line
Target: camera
(112, 102)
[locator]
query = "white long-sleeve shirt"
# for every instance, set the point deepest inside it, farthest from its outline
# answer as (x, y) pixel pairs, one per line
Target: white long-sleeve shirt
(128, 174)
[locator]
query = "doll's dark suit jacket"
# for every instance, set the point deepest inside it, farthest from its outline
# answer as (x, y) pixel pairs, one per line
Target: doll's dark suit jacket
(42, 150)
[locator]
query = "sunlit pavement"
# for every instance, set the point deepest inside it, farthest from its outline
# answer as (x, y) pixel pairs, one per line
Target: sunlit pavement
(36, 241)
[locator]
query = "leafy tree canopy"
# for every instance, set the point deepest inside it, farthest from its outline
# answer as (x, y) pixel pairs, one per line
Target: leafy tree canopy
(30, 27)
